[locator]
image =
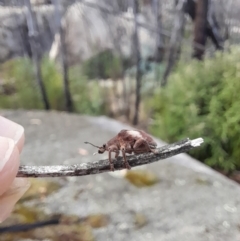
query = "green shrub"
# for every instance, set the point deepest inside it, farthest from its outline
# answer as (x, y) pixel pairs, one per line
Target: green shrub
(202, 99)
(18, 78)
(103, 65)
(18, 74)
(88, 98)
(53, 81)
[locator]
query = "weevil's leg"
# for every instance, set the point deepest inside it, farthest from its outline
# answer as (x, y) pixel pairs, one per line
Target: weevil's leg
(116, 154)
(110, 161)
(140, 142)
(125, 159)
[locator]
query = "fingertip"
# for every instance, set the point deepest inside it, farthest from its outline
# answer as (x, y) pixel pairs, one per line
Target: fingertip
(9, 163)
(13, 131)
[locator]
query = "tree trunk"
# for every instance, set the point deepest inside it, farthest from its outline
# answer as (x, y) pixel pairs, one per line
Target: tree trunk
(138, 62)
(67, 93)
(175, 40)
(200, 29)
(35, 51)
(156, 8)
(212, 29)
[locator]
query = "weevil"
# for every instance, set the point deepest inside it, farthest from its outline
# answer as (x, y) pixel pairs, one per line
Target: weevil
(127, 141)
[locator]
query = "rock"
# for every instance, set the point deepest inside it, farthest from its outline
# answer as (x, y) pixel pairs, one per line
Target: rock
(40, 188)
(90, 30)
(141, 178)
(140, 220)
(14, 40)
(182, 206)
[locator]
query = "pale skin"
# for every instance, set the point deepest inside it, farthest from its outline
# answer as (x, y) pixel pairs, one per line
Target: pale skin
(11, 145)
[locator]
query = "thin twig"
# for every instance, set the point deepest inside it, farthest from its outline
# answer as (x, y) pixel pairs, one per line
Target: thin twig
(103, 165)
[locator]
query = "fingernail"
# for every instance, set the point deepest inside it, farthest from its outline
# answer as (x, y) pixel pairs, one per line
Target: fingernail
(13, 131)
(9, 198)
(6, 148)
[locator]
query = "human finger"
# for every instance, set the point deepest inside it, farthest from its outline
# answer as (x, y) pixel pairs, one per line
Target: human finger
(13, 131)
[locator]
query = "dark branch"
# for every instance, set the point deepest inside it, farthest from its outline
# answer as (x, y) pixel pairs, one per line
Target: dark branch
(103, 165)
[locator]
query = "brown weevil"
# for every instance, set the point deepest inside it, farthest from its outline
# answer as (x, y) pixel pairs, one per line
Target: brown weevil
(127, 141)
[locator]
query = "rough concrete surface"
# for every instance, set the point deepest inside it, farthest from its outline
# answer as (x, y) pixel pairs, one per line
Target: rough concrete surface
(191, 202)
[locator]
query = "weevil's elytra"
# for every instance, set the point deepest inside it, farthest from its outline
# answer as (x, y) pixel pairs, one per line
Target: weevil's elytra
(127, 141)
(135, 134)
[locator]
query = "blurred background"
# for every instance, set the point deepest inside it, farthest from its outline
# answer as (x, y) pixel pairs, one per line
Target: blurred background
(71, 70)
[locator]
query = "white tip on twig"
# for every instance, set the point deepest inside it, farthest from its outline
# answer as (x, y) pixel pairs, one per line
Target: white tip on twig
(197, 142)
(95, 153)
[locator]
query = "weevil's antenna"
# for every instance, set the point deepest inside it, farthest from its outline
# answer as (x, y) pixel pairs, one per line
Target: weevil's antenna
(91, 144)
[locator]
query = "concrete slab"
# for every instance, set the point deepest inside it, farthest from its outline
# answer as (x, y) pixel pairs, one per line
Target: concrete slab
(191, 201)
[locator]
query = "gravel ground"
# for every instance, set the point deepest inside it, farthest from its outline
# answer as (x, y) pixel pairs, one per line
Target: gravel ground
(191, 202)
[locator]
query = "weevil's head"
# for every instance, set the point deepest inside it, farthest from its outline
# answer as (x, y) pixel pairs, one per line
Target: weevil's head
(101, 149)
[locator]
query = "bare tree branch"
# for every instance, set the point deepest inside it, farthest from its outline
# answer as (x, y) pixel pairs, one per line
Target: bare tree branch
(175, 40)
(36, 57)
(156, 8)
(200, 27)
(103, 165)
(65, 70)
(137, 54)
